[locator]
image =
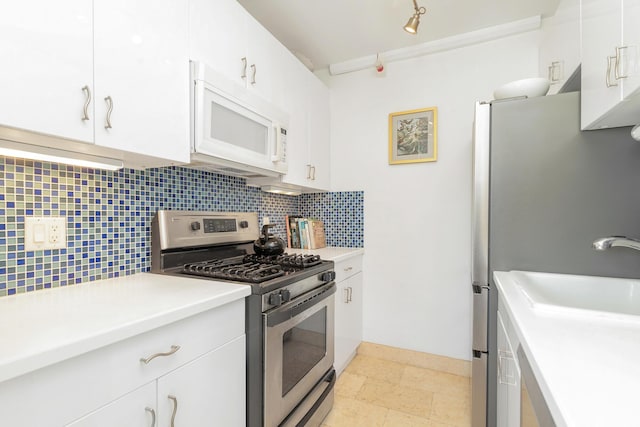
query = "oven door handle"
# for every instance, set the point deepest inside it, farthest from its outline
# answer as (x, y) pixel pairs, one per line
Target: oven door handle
(300, 304)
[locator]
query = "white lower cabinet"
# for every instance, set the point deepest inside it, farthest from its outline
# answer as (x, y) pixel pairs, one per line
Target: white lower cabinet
(134, 409)
(199, 360)
(348, 312)
(210, 388)
(508, 394)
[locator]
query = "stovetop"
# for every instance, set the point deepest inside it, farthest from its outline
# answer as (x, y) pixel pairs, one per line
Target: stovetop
(252, 268)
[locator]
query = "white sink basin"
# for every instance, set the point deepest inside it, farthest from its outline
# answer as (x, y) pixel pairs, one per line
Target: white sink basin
(600, 296)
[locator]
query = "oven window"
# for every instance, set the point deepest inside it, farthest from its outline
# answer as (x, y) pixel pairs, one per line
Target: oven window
(303, 346)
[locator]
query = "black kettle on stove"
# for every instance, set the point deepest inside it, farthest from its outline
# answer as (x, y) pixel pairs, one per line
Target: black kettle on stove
(267, 243)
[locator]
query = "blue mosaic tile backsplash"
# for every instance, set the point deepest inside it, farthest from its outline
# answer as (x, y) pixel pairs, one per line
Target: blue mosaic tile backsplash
(109, 216)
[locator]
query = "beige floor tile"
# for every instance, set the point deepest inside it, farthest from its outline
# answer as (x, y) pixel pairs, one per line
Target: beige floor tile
(416, 358)
(400, 419)
(384, 370)
(451, 409)
(436, 381)
(397, 397)
(349, 384)
(349, 412)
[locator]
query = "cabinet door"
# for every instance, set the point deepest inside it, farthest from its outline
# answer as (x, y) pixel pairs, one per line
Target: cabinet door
(601, 33)
(631, 50)
(265, 70)
(508, 394)
(141, 66)
(218, 36)
(319, 134)
(298, 132)
(133, 409)
(207, 391)
(46, 51)
(560, 44)
(348, 323)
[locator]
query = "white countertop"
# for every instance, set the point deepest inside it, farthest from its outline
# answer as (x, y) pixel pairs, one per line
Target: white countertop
(334, 254)
(588, 370)
(44, 327)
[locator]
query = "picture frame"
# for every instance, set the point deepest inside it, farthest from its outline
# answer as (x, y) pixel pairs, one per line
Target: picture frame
(413, 136)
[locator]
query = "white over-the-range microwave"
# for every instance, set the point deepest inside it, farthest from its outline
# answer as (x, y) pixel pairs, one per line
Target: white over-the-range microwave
(233, 130)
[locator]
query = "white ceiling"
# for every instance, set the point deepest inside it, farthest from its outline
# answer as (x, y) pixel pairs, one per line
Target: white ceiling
(333, 31)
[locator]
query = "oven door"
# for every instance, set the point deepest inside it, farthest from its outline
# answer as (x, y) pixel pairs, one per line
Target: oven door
(299, 345)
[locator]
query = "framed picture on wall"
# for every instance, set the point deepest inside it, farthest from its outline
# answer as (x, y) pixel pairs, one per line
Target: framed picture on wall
(413, 136)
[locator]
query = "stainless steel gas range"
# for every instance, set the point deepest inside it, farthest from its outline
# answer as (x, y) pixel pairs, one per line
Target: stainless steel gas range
(289, 314)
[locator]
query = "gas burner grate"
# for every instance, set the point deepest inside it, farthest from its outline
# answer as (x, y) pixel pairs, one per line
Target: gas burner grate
(242, 271)
(295, 261)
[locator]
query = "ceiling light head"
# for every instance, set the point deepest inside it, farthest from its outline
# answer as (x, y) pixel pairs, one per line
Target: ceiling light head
(412, 25)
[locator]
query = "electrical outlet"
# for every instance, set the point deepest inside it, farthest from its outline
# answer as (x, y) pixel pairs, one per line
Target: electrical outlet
(45, 233)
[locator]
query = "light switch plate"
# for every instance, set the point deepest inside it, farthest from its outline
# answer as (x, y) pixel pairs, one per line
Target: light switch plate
(45, 233)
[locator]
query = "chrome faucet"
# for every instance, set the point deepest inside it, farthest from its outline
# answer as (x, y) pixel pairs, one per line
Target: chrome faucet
(609, 242)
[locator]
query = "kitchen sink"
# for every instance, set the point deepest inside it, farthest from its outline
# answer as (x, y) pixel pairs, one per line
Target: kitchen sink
(601, 296)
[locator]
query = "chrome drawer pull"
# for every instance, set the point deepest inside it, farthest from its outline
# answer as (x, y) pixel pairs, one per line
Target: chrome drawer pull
(153, 416)
(348, 269)
(175, 409)
(174, 348)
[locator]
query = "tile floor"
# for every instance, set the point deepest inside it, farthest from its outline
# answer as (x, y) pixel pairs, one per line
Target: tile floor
(377, 389)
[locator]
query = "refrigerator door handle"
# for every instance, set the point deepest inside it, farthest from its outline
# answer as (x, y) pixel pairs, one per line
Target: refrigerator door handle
(480, 316)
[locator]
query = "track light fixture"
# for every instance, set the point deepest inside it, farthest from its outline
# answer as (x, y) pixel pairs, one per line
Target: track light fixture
(414, 21)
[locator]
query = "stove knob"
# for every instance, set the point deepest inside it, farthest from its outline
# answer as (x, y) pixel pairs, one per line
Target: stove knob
(244, 224)
(195, 226)
(328, 276)
(286, 295)
(275, 299)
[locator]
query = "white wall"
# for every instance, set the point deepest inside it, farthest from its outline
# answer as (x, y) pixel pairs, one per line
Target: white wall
(417, 216)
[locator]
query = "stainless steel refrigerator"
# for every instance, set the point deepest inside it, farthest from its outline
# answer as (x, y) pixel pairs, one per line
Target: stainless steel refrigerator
(543, 191)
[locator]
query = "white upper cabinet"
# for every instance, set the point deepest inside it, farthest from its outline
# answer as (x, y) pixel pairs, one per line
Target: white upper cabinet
(46, 51)
(308, 151)
(141, 77)
(218, 37)
(113, 73)
(610, 69)
(224, 36)
(560, 44)
(319, 134)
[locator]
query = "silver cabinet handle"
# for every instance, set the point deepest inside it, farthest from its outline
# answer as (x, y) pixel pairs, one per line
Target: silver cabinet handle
(109, 110)
(617, 73)
(87, 102)
(346, 295)
(348, 269)
(175, 409)
(174, 348)
(608, 77)
(350, 294)
(244, 67)
(506, 368)
(254, 69)
(555, 72)
(308, 171)
(153, 415)
(313, 173)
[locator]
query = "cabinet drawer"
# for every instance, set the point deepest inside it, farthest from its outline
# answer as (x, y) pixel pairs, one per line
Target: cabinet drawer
(70, 389)
(348, 267)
